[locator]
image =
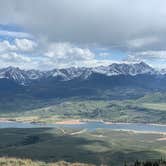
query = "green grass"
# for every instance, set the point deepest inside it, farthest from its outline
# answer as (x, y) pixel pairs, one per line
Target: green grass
(96, 147)
(155, 106)
(148, 109)
(116, 111)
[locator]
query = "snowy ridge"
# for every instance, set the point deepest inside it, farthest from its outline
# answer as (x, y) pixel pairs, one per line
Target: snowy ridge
(125, 69)
(20, 76)
(24, 77)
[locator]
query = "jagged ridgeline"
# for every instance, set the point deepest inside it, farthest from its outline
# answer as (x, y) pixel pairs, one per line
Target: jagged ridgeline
(82, 82)
(26, 77)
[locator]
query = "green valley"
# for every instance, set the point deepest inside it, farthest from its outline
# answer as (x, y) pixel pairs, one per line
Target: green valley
(150, 108)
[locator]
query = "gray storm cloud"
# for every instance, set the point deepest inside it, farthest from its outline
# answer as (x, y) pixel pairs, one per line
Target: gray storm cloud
(131, 26)
(106, 22)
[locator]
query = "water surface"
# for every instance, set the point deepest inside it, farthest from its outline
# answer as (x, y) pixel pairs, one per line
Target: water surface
(91, 126)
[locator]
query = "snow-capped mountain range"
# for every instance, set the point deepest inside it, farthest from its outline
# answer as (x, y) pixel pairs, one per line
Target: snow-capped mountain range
(24, 77)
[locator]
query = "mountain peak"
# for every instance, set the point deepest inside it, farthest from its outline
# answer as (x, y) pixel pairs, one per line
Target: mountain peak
(144, 64)
(24, 77)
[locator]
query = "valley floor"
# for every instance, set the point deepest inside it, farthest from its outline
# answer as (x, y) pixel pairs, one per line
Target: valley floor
(148, 109)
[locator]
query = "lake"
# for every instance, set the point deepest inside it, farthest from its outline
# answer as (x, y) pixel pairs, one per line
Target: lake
(91, 126)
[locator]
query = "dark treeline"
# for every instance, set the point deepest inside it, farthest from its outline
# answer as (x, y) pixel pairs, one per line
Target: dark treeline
(147, 163)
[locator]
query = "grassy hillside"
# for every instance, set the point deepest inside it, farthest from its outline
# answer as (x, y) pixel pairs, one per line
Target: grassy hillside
(97, 147)
(148, 109)
(4, 161)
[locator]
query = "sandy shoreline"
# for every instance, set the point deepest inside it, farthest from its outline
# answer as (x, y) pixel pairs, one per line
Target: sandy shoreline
(5, 120)
(76, 121)
(70, 122)
(83, 121)
(142, 132)
(152, 124)
(161, 139)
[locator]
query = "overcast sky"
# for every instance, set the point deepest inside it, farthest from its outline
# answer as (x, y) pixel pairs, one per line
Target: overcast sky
(46, 34)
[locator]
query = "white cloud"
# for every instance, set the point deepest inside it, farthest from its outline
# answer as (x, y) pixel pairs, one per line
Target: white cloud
(64, 51)
(65, 55)
(106, 22)
(60, 55)
(16, 60)
(47, 64)
(15, 34)
(14, 57)
(15, 53)
(25, 44)
(54, 55)
(142, 42)
(150, 54)
(155, 54)
(135, 27)
(6, 46)
(155, 58)
(105, 54)
(22, 45)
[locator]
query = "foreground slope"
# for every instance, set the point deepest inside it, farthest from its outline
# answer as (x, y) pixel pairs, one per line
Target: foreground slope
(4, 161)
(96, 147)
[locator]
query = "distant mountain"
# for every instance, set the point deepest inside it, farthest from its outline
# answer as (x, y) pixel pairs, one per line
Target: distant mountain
(125, 69)
(20, 76)
(116, 81)
(24, 77)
